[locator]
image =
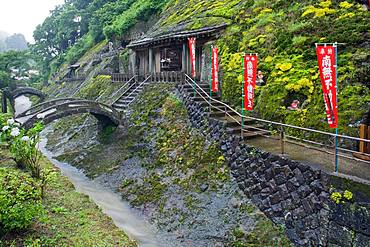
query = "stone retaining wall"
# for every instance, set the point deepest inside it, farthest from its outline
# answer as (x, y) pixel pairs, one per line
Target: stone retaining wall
(288, 192)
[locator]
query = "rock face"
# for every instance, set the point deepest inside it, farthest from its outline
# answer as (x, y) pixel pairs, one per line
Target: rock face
(288, 192)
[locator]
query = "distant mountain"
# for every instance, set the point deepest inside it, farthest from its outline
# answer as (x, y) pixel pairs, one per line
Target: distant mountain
(16, 41)
(3, 35)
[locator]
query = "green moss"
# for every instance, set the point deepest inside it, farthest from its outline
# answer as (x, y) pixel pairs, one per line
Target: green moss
(179, 153)
(151, 191)
(98, 86)
(289, 62)
(265, 233)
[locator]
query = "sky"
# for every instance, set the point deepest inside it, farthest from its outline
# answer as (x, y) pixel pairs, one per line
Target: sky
(22, 16)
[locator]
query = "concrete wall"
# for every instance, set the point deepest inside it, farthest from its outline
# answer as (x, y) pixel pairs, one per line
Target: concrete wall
(288, 192)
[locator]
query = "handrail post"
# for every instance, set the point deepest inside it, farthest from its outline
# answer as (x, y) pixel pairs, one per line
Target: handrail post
(210, 76)
(225, 112)
(282, 140)
(336, 151)
(243, 95)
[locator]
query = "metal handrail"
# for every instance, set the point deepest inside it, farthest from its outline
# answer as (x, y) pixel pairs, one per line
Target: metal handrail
(272, 122)
(137, 88)
(321, 147)
(120, 95)
(212, 99)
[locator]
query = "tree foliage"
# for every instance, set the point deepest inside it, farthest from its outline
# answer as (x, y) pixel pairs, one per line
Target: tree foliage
(77, 25)
(17, 66)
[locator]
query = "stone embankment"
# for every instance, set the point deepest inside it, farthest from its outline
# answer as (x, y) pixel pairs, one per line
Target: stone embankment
(288, 192)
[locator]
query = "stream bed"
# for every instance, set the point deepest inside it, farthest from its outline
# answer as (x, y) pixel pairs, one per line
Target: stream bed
(123, 216)
(111, 203)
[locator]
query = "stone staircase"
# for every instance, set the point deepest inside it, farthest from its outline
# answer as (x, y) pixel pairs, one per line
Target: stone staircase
(221, 113)
(129, 95)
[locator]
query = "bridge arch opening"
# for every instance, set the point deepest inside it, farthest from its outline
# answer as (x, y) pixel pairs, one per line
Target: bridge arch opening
(105, 114)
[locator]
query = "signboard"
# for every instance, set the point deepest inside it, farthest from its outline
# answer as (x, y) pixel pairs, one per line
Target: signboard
(327, 59)
(192, 56)
(215, 69)
(250, 73)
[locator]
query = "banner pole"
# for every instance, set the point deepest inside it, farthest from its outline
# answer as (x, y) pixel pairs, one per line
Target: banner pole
(210, 72)
(243, 94)
(336, 93)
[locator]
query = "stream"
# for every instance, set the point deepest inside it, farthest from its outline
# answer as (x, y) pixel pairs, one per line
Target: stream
(111, 203)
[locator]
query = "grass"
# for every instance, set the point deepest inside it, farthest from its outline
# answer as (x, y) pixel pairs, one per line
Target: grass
(265, 233)
(71, 219)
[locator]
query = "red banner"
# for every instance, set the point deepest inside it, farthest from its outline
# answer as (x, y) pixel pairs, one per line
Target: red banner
(250, 73)
(326, 57)
(215, 80)
(192, 56)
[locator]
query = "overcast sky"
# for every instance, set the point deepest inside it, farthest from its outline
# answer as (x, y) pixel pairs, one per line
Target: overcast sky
(22, 16)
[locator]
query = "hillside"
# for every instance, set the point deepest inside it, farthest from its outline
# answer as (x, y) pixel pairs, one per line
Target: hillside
(12, 42)
(175, 162)
(283, 33)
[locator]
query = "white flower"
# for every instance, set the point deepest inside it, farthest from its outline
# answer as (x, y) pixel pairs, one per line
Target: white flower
(5, 128)
(10, 121)
(17, 124)
(25, 138)
(40, 116)
(15, 132)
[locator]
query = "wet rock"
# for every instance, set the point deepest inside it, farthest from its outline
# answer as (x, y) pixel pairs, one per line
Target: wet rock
(361, 241)
(203, 187)
(235, 203)
(339, 235)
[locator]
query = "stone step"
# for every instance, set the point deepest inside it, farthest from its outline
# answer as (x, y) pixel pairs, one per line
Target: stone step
(199, 98)
(119, 105)
(205, 104)
(216, 113)
(254, 134)
(227, 123)
(237, 129)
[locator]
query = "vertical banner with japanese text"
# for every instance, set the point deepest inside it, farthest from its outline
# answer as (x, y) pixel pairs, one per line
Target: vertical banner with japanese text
(327, 65)
(192, 56)
(250, 73)
(215, 69)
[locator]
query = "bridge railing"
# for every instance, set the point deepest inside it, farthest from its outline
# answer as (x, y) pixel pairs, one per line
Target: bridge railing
(323, 147)
(44, 105)
(168, 77)
(119, 77)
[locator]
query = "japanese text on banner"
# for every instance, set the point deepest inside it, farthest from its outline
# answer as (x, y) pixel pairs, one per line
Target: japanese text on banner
(192, 56)
(326, 58)
(250, 73)
(215, 68)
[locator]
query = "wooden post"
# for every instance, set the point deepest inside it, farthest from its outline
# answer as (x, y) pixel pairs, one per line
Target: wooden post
(367, 144)
(363, 145)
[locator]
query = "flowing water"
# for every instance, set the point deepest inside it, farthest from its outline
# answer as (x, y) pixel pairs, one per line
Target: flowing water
(111, 203)
(22, 104)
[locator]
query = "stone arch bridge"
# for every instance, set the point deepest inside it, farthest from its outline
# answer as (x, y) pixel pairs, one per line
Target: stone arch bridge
(27, 91)
(55, 109)
(11, 95)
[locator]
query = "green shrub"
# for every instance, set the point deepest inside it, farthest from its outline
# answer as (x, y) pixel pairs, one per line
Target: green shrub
(79, 49)
(20, 200)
